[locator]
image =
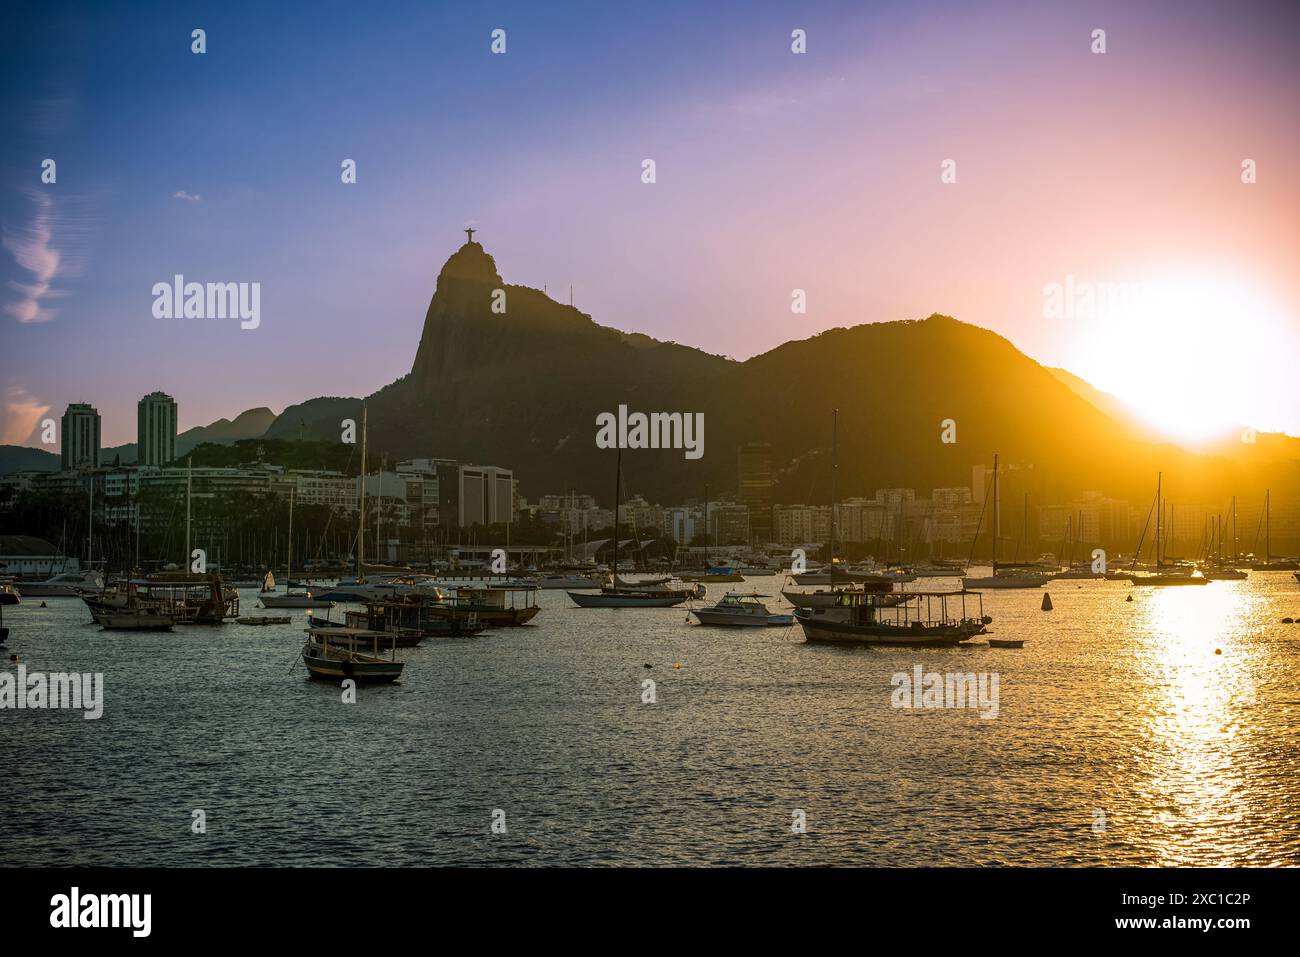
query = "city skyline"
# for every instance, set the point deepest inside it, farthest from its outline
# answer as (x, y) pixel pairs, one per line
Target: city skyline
(726, 111)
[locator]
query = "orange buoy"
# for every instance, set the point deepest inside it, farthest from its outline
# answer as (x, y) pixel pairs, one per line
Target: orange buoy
(1047, 602)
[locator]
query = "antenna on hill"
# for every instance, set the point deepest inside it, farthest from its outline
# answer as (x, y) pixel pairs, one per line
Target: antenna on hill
(570, 294)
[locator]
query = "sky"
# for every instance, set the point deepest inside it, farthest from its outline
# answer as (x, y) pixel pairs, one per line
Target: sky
(1116, 177)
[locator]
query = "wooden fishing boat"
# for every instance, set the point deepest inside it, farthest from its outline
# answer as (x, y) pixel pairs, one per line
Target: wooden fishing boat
(855, 619)
(1006, 643)
(332, 655)
(264, 620)
(492, 607)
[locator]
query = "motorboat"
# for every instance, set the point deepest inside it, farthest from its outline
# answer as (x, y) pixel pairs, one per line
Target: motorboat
(63, 585)
(1224, 574)
(1004, 577)
(741, 609)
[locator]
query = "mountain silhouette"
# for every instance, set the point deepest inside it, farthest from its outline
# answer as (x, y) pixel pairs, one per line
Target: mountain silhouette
(522, 389)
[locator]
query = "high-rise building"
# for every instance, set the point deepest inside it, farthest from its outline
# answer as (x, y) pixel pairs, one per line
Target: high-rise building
(80, 437)
(155, 432)
(486, 495)
(757, 479)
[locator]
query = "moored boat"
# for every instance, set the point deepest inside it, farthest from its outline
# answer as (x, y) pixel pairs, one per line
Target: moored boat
(501, 607)
(1004, 576)
(623, 595)
(743, 610)
(62, 585)
(855, 618)
(327, 659)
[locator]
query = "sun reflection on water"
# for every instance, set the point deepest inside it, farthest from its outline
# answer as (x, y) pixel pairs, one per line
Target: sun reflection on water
(1198, 672)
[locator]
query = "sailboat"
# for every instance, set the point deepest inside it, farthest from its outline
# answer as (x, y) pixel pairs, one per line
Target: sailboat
(1002, 577)
(618, 595)
(1162, 578)
(1270, 564)
(834, 574)
(290, 599)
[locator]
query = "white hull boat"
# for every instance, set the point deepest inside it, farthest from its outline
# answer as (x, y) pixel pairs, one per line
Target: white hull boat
(737, 609)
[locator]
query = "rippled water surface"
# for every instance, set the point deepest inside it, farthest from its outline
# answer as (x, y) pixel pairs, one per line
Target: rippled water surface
(1158, 732)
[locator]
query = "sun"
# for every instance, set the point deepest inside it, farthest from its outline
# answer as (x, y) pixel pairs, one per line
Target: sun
(1194, 355)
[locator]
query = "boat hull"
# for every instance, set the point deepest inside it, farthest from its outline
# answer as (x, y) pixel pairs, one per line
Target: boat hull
(615, 600)
(294, 601)
(126, 621)
(1003, 581)
(711, 616)
(830, 632)
(362, 672)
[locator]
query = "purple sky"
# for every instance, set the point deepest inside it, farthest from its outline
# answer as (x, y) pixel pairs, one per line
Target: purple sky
(775, 171)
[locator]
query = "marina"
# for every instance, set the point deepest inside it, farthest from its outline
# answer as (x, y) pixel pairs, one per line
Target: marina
(571, 679)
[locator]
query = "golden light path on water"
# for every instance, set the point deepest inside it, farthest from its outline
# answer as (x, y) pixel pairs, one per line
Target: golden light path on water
(1121, 739)
(1195, 656)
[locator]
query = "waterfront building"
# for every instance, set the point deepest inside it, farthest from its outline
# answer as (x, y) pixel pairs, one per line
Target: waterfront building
(80, 435)
(486, 495)
(757, 479)
(155, 437)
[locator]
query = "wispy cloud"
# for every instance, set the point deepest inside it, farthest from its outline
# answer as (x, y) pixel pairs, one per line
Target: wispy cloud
(22, 411)
(188, 197)
(33, 249)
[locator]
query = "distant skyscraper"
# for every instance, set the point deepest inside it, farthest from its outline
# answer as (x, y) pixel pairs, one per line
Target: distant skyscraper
(486, 495)
(754, 466)
(155, 434)
(80, 437)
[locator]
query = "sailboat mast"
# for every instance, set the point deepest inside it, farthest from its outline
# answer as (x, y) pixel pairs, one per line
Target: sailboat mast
(997, 514)
(707, 543)
(618, 494)
(1160, 512)
(1268, 543)
(189, 488)
(288, 565)
(835, 469)
(361, 516)
(90, 524)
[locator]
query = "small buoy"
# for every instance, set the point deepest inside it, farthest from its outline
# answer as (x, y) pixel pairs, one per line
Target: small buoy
(43, 605)
(649, 665)
(1287, 621)
(678, 666)
(1218, 651)
(13, 657)
(1129, 598)
(1047, 602)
